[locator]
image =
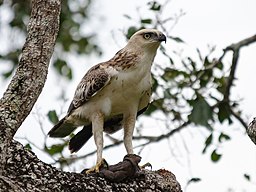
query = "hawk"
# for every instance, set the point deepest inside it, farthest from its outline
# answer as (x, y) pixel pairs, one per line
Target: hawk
(112, 94)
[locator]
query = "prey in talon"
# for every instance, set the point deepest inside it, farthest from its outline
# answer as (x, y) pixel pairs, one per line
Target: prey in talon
(111, 95)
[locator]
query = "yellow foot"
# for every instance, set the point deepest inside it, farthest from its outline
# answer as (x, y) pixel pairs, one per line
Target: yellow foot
(146, 165)
(100, 164)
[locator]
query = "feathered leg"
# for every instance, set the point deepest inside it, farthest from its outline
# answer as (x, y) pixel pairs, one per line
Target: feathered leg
(97, 129)
(129, 124)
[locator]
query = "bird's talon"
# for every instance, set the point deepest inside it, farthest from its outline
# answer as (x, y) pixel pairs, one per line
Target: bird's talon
(102, 164)
(146, 165)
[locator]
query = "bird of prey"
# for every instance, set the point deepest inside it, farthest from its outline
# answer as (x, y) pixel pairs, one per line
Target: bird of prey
(112, 94)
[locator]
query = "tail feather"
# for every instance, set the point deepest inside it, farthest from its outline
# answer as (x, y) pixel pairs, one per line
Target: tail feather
(78, 141)
(62, 129)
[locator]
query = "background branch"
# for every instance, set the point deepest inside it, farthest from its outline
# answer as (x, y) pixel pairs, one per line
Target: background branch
(236, 49)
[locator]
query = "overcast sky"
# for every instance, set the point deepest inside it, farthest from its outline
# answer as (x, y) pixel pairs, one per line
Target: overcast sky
(218, 22)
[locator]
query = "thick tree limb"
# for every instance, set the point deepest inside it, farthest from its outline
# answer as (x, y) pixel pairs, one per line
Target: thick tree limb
(30, 76)
(31, 174)
(28, 81)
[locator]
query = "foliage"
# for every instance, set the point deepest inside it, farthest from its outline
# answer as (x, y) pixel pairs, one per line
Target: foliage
(71, 39)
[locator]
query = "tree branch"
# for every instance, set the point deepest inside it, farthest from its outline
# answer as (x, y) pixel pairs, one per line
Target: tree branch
(239, 118)
(31, 174)
(242, 43)
(28, 81)
(30, 76)
(235, 47)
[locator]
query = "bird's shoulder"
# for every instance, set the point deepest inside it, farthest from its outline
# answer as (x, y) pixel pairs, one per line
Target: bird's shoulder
(124, 59)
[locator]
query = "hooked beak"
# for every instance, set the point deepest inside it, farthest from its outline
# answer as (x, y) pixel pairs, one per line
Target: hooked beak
(162, 37)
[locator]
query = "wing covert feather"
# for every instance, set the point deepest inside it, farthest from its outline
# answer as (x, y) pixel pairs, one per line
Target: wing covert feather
(93, 81)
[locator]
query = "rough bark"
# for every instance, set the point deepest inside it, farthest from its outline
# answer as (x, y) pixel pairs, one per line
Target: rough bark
(251, 131)
(25, 172)
(20, 169)
(28, 81)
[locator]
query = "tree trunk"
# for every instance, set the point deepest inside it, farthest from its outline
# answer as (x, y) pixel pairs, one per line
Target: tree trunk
(30, 76)
(20, 169)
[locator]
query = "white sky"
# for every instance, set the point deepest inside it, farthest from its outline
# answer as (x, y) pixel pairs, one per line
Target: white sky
(219, 22)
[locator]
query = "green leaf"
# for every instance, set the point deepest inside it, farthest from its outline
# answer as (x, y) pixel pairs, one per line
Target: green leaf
(206, 78)
(206, 62)
(127, 16)
(154, 84)
(131, 31)
(215, 156)
(171, 73)
(194, 180)
(59, 64)
(220, 65)
(223, 137)
(63, 68)
(154, 6)
(201, 112)
(224, 111)
(155, 105)
(146, 21)
(247, 177)
(151, 108)
(207, 142)
(177, 39)
(28, 146)
(55, 149)
(69, 73)
(221, 84)
(7, 74)
(53, 116)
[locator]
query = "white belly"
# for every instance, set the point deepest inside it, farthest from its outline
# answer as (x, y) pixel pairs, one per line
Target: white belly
(126, 93)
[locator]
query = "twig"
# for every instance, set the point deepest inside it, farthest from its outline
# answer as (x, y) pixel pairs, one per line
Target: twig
(242, 43)
(235, 47)
(239, 118)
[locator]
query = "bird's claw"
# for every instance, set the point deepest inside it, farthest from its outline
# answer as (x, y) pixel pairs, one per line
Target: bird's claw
(146, 165)
(100, 165)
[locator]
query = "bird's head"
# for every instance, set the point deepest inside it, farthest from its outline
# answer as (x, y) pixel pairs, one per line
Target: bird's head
(147, 39)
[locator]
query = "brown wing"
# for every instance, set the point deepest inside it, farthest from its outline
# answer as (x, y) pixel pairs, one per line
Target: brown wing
(93, 81)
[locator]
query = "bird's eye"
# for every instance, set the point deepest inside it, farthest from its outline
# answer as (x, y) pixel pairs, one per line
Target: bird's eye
(147, 35)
